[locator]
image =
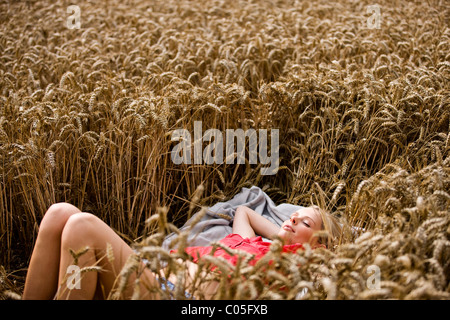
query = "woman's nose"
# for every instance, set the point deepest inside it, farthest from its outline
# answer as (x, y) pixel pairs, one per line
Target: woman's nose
(294, 220)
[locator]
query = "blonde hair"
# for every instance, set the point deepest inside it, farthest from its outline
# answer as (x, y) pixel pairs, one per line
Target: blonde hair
(331, 230)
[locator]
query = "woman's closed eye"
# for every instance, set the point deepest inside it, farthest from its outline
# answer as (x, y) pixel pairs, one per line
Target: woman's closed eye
(294, 219)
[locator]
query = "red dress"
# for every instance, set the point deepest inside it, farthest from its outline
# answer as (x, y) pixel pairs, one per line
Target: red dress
(255, 246)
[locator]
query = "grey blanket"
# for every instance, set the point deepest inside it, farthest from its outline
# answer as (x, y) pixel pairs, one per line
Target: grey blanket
(218, 220)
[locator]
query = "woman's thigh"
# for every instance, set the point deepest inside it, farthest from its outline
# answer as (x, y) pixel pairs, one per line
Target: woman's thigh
(105, 249)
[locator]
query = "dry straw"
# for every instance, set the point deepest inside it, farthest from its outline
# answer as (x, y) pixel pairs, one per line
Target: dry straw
(86, 116)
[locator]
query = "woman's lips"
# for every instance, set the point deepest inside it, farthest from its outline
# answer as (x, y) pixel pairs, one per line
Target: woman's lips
(288, 228)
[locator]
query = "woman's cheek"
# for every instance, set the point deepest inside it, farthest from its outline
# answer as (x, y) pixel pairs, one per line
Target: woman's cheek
(303, 235)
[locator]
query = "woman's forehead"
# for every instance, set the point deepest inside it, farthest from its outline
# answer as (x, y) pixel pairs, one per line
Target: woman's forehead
(308, 212)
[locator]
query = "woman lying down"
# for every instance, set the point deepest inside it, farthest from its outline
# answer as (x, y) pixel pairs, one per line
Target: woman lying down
(64, 228)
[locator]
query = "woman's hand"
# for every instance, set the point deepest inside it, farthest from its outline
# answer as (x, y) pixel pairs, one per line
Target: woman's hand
(247, 223)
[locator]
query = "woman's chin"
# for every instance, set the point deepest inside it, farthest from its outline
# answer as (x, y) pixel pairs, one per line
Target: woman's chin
(285, 237)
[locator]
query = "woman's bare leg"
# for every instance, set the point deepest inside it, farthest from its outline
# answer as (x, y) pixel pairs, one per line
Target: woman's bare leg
(42, 277)
(86, 230)
(65, 227)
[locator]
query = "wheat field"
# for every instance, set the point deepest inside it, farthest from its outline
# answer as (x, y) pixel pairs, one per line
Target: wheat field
(86, 116)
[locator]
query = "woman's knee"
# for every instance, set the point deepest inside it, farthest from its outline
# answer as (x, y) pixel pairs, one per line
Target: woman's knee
(80, 227)
(56, 217)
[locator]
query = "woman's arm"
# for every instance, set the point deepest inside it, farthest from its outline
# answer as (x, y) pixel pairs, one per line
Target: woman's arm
(247, 223)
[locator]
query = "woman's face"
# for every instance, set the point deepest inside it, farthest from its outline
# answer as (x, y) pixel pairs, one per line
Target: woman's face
(301, 226)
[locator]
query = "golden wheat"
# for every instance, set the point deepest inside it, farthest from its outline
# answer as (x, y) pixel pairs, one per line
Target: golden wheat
(86, 116)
